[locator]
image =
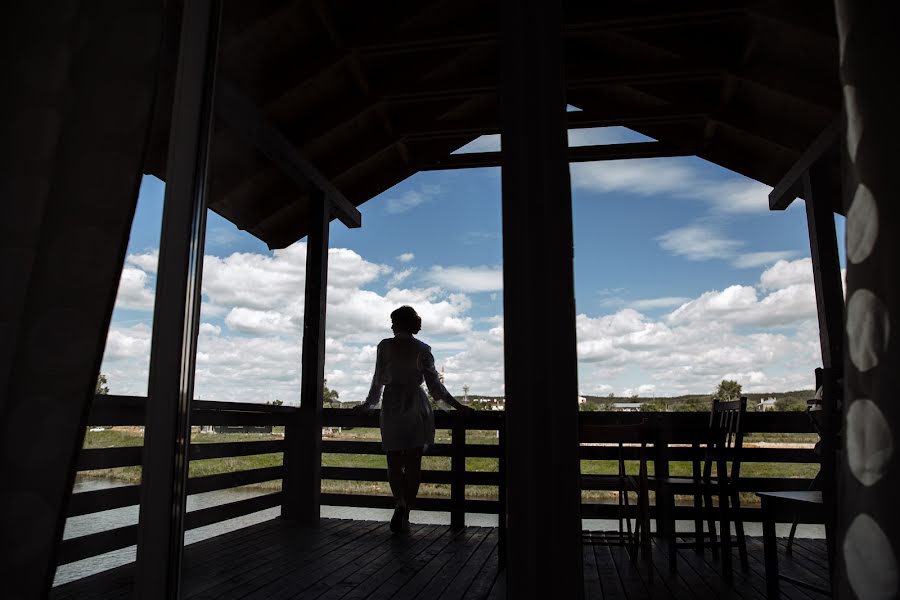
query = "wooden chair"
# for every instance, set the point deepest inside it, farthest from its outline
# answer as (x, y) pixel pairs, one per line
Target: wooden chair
(724, 443)
(638, 537)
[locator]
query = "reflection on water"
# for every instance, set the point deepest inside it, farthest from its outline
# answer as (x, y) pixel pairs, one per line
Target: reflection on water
(110, 519)
(120, 517)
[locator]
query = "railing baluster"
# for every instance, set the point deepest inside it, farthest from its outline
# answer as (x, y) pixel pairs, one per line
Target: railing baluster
(458, 472)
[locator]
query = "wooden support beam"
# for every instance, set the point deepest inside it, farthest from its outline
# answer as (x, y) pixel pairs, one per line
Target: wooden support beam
(176, 313)
(246, 119)
(471, 160)
(823, 248)
(791, 185)
(577, 119)
(481, 84)
(543, 539)
(303, 455)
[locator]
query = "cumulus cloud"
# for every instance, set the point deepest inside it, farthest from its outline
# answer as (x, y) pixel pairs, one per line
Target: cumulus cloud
(467, 279)
(792, 299)
(145, 261)
(406, 257)
(135, 290)
(250, 339)
(785, 274)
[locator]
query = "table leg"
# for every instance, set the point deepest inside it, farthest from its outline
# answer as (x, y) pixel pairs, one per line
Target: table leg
(770, 549)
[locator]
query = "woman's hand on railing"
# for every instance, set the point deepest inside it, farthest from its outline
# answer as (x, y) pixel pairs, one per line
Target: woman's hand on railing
(362, 409)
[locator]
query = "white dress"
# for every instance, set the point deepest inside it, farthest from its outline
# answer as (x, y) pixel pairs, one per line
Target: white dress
(402, 364)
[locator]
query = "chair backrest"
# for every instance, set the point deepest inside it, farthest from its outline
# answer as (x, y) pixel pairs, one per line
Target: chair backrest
(637, 434)
(726, 437)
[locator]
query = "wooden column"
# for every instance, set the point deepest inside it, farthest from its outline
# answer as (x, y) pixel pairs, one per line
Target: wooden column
(76, 110)
(176, 311)
(543, 541)
(818, 192)
(303, 458)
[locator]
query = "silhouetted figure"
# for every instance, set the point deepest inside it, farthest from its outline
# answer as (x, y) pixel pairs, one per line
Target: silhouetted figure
(407, 421)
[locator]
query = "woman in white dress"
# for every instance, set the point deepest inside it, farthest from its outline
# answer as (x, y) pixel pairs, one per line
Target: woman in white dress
(407, 421)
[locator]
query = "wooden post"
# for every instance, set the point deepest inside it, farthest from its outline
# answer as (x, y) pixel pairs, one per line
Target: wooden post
(177, 310)
(458, 471)
(303, 456)
(501, 492)
(823, 249)
(543, 501)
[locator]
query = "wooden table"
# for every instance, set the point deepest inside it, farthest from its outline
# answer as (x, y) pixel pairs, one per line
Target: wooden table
(772, 504)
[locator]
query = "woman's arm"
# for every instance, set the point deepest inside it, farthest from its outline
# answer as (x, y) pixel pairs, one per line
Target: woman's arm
(433, 382)
(376, 387)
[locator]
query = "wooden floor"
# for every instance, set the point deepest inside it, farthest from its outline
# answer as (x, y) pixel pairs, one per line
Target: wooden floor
(362, 559)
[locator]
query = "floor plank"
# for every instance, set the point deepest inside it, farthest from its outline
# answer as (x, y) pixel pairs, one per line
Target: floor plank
(357, 560)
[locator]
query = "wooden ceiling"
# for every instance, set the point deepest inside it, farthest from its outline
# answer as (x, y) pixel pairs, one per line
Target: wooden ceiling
(372, 92)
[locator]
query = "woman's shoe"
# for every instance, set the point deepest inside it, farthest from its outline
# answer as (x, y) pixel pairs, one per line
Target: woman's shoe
(404, 523)
(397, 520)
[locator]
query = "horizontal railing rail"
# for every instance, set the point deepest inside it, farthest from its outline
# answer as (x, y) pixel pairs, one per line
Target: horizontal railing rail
(129, 411)
(110, 410)
(457, 477)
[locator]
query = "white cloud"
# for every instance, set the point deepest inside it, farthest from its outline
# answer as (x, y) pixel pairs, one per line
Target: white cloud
(401, 276)
(698, 242)
(761, 259)
(411, 199)
(665, 302)
(467, 279)
(135, 290)
(679, 177)
(145, 261)
(406, 257)
(642, 177)
(647, 389)
(210, 329)
(127, 343)
(250, 338)
(784, 274)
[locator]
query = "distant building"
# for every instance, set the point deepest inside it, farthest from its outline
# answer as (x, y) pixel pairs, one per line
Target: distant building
(766, 404)
(626, 406)
(581, 399)
(241, 429)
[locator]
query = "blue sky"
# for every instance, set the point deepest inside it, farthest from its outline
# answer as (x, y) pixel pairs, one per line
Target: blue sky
(683, 277)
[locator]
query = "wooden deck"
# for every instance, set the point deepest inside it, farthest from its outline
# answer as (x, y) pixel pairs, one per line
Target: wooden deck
(362, 559)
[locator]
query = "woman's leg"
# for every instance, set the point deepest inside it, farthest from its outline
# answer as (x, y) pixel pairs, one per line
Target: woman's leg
(395, 476)
(412, 466)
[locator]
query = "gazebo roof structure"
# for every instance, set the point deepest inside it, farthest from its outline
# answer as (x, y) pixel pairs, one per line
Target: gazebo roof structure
(281, 115)
(371, 93)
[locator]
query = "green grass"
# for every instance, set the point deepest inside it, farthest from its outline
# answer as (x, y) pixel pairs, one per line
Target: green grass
(199, 468)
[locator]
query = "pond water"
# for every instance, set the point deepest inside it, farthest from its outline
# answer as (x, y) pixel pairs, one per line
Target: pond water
(111, 519)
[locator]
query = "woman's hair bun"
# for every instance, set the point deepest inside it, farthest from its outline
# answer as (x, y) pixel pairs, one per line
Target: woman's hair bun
(406, 319)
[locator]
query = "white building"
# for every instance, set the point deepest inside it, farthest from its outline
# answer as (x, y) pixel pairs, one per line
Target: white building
(766, 404)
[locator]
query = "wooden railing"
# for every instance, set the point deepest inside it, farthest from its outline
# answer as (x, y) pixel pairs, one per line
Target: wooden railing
(129, 410)
(123, 410)
(754, 423)
(458, 450)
